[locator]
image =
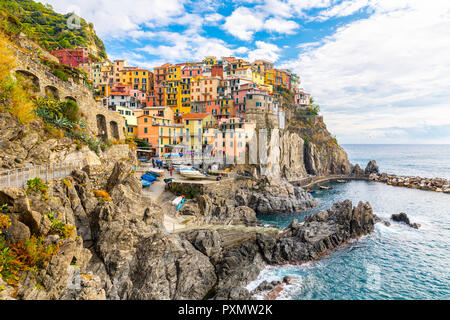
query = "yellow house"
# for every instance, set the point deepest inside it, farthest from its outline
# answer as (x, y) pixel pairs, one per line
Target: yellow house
(138, 79)
(257, 77)
(131, 123)
(209, 61)
(195, 125)
(172, 84)
(269, 77)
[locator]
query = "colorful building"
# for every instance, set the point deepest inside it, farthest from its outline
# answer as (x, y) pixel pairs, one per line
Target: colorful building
(73, 57)
(156, 127)
(195, 124)
(139, 79)
(131, 123)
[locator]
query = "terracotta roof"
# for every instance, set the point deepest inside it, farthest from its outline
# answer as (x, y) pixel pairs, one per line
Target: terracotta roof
(195, 115)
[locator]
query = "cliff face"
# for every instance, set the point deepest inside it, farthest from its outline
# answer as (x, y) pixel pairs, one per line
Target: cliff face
(304, 147)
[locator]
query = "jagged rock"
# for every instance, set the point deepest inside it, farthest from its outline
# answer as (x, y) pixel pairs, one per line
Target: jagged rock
(274, 196)
(305, 242)
(372, 168)
(265, 286)
(6, 291)
(16, 198)
(207, 242)
(190, 208)
(357, 171)
(167, 268)
(38, 223)
(17, 232)
(403, 217)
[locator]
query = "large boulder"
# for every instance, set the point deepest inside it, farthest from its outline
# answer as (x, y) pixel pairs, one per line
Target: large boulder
(17, 232)
(14, 197)
(372, 168)
(166, 268)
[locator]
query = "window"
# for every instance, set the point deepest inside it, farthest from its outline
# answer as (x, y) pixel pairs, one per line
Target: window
(145, 130)
(145, 120)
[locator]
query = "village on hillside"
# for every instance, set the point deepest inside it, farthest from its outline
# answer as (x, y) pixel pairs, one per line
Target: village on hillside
(188, 103)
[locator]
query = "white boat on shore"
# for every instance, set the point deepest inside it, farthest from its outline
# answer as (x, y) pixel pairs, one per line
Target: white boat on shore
(155, 170)
(191, 173)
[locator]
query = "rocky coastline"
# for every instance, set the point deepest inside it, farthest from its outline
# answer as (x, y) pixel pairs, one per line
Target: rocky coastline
(121, 249)
(413, 182)
(372, 173)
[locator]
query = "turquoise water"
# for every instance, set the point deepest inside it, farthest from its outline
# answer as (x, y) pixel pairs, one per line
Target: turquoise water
(395, 262)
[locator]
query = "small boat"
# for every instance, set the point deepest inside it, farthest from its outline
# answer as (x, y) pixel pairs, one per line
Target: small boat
(155, 174)
(341, 181)
(146, 184)
(169, 180)
(179, 202)
(148, 178)
(310, 191)
(191, 173)
(325, 188)
(155, 170)
(180, 205)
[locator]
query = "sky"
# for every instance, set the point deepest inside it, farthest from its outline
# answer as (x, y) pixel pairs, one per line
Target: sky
(379, 69)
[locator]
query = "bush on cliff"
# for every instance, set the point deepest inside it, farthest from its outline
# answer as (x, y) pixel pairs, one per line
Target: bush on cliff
(58, 227)
(14, 98)
(22, 257)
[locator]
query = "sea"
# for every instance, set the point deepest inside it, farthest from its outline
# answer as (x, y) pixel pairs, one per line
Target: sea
(392, 263)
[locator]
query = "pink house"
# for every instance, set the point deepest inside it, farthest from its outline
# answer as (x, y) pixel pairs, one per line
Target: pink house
(72, 57)
(191, 71)
(240, 97)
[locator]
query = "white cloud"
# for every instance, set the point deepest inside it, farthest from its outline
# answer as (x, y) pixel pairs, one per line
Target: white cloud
(244, 22)
(115, 18)
(343, 9)
(213, 19)
(187, 46)
(281, 25)
(389, 70)
(266, 51)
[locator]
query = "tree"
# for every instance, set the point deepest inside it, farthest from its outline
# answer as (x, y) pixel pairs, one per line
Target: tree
(314, 109)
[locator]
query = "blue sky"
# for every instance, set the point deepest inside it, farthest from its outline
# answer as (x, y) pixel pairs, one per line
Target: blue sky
(380, 69)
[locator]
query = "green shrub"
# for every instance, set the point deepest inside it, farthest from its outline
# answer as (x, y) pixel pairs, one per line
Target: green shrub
(60, 228)
(36, 185)
(70, 110)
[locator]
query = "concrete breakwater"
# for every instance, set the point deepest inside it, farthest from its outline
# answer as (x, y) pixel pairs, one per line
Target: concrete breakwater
(429, 184)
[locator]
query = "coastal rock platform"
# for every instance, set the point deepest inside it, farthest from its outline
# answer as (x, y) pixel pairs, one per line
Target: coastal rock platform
(427, 184)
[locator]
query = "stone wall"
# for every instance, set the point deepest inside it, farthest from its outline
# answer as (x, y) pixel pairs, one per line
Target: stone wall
(101, 122)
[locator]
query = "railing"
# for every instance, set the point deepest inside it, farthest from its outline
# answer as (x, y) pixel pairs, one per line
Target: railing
(19, 177)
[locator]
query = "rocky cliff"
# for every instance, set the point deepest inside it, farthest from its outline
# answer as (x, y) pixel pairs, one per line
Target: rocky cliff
(302, 147)
(30, 145)
(120, 249)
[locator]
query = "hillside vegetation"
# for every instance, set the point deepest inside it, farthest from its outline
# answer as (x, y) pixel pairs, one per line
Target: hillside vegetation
(46, 27)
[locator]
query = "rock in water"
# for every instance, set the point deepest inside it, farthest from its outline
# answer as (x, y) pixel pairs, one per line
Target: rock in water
(357, 171)
(372, 168)
(403, 217)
